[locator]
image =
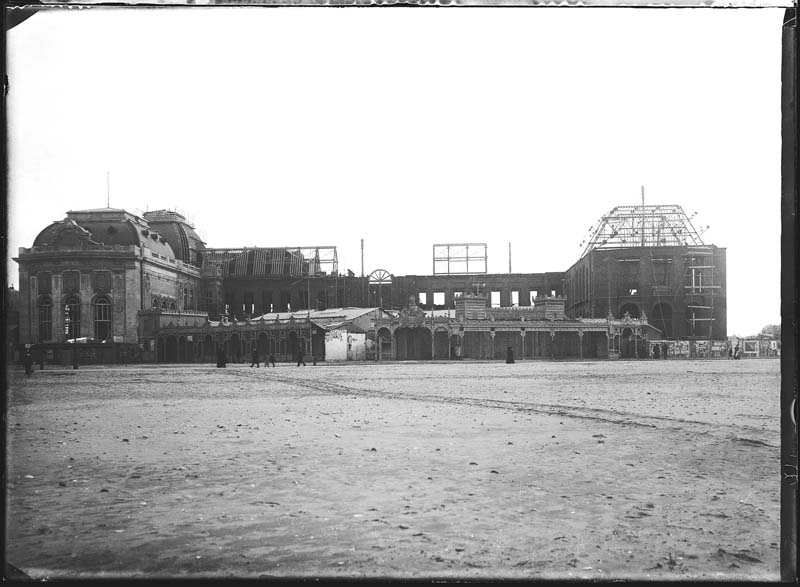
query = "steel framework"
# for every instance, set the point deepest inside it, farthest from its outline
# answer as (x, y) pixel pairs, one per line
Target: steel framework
(459, 259)
(274, 261)
(643, 226)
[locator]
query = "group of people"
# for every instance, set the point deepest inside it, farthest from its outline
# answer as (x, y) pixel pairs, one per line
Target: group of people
(660, 351)
(733, 352)
(254, 356)
(222, 360)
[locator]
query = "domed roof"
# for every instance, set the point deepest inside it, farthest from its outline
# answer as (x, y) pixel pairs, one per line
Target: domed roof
(103, 226)
(113, 232)
(63, 233)
(181, 236)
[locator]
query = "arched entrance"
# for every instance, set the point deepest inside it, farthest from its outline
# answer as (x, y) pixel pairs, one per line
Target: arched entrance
(661, 318)
(441, 344)
(412, 344)
(627, 344)
(171, 350)
(384, 345)
(477, 345)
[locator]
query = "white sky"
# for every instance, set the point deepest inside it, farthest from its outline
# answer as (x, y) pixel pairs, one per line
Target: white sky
(407, 127)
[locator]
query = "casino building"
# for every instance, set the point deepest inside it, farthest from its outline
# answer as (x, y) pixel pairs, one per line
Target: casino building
(121, 287)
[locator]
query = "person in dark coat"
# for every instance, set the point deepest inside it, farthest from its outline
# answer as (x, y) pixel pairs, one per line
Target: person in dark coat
(254, 358)
(736, 352)
(221, 358)
(509, 355)
(300, 356)
(27, 361)
(271, 360)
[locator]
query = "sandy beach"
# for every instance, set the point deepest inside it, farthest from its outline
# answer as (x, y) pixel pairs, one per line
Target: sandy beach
(546, 470)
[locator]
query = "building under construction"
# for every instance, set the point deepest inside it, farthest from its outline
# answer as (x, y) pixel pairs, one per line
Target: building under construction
(149, 287)
(650, 261)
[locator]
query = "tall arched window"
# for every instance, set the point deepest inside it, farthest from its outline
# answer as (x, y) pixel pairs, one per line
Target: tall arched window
(102, 319)
(45, 306)
(73, 310)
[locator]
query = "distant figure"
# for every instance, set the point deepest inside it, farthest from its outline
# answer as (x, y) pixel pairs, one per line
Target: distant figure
(27, 360)
(41, 360)
(736, 352)
(271, 360)
(656, 351)
(254, 358)
(222, 360)
(730, 353)
(509, 356)
(300, 356)
(458, 352)
(664, 350)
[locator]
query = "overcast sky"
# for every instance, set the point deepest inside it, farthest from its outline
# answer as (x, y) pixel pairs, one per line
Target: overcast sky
(407, 127)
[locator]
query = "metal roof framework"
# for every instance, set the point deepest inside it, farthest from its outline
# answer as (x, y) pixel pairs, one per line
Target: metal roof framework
(659, 225)
(274, 261)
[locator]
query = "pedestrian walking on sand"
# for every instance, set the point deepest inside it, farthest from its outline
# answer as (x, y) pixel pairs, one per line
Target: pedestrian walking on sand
(730, 353)
(271, 359)
(254, 358)
(27, 360)
(509, 356)
(300, 355)
(664, 350)
(736, 352)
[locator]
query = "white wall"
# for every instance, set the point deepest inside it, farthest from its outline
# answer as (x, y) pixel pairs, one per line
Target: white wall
(336, 345)
(357, 347)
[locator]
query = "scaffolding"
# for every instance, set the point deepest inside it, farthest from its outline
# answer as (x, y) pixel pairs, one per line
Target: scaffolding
(700, 290)
(659, 225)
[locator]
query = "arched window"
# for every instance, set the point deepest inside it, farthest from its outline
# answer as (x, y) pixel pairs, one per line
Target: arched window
(72, 309)
(102, 319)
(45, 306)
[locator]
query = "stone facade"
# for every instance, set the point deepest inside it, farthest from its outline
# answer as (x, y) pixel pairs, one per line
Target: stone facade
(107, 277)
(88, 277)
(682, 290)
